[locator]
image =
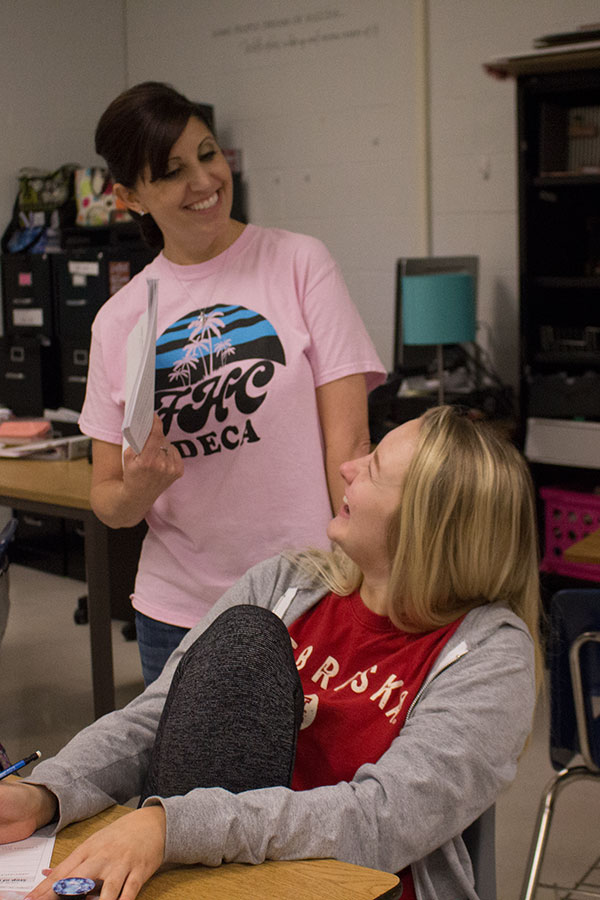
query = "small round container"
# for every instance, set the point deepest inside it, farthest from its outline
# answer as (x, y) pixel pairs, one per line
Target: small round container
(74, 887)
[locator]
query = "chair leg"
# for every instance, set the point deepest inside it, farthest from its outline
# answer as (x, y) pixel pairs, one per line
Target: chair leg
(542, 828)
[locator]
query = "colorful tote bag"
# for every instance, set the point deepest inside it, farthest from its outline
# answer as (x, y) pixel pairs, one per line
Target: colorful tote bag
(96, 202)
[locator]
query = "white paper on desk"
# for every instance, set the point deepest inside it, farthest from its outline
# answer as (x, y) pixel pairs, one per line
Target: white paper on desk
(73, 447)
(21, 864)
(139, 377)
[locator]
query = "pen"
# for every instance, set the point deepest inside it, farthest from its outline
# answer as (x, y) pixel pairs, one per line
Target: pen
(20, 764)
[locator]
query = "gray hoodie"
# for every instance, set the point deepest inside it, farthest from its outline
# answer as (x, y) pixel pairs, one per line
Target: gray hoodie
(457, 750)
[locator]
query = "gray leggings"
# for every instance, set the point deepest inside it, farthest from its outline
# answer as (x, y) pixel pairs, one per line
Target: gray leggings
(233, 711)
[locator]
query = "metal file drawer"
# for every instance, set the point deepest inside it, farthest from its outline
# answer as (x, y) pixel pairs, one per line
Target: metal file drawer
(81, 287)
(29, 375)
(27, 296)
(74, 367)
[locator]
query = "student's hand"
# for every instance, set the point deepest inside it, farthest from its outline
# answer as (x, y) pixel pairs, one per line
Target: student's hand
(123, 855)
(23, 809)
(153, 470)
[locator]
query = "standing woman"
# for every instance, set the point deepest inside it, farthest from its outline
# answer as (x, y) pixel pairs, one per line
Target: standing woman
(262, 373)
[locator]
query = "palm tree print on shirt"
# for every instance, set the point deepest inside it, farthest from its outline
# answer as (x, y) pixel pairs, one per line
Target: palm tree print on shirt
(197, 352)
(204, 329)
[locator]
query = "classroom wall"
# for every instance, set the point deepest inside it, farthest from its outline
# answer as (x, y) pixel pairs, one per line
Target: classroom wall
(61, 61)
(329, 101)
(320, 98)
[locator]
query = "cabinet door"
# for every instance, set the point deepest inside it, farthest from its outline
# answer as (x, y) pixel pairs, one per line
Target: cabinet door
(81, 281)
(29, 375)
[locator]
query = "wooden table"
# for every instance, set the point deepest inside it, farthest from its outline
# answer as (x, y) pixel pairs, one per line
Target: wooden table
(305, 879)
(62, 488)
(587, 550)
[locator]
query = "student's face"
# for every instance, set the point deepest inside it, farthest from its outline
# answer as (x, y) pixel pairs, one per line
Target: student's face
(373, 492)
(191, 202)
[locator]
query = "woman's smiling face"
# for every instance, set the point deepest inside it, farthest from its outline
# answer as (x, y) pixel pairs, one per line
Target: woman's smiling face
(191, 201)
(373, 492)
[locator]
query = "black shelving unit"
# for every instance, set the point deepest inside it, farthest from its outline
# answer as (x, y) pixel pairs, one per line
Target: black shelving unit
(558, 108)
(559, 243)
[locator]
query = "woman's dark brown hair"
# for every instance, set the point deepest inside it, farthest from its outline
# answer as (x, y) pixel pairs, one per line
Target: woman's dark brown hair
(137, 130)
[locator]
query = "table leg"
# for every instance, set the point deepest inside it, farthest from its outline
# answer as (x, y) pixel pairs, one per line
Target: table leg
(99, 612)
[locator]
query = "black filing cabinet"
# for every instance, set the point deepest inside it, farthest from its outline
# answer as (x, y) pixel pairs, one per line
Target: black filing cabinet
(27, 295)
(81, 287)
(40, 542)
(49, 304)
(83, 280)
(29, 374)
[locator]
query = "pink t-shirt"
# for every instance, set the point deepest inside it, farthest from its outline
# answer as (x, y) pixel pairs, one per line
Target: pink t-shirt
(243, 341)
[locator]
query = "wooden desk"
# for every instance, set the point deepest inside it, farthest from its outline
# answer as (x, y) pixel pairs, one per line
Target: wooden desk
(587, 550)
(58, 488)
(305, 879)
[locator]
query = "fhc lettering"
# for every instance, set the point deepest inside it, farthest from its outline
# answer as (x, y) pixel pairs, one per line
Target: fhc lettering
(211, 442)
(191, 405)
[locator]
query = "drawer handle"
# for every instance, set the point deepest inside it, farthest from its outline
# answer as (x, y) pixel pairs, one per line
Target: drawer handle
(29, 520)
(82, 302)
(15, 376)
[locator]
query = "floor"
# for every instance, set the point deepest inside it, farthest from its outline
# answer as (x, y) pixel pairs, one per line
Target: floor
(45, 697)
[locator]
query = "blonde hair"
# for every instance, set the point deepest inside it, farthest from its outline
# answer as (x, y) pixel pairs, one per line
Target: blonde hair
(464, 533)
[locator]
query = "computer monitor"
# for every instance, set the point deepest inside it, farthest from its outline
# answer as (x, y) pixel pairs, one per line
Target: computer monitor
(416, 360)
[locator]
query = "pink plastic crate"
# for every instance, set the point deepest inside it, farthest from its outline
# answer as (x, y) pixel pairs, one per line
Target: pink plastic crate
(568, 517)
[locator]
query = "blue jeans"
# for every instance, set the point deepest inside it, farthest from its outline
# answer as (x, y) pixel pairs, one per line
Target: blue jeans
(156, 641)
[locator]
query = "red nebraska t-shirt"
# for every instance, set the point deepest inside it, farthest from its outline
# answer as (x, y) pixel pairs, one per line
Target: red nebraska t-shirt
(359, 674)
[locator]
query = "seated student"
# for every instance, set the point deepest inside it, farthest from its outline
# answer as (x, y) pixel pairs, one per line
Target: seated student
(375, 728)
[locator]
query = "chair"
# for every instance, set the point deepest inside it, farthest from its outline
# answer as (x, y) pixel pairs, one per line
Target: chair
(480, 841)
(574, 662)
